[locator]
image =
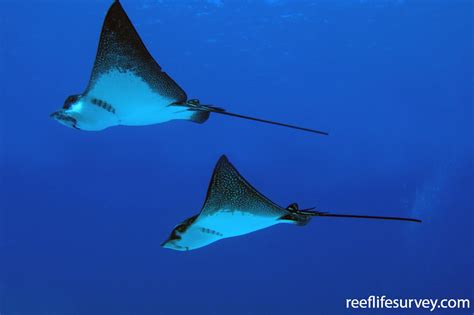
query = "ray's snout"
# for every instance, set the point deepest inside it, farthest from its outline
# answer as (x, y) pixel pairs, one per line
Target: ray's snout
(59, 115)
(168, 244)
(64, 118)
(174, 245)
(54, 114)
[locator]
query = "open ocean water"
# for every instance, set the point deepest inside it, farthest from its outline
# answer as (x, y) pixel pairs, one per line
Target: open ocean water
(83, 214)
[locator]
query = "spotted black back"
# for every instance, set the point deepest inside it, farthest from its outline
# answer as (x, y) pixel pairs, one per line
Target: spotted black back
(229, 190)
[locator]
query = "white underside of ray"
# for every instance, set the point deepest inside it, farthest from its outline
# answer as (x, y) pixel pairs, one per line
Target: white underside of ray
(231, 222)
(224, 224)
(135, 103)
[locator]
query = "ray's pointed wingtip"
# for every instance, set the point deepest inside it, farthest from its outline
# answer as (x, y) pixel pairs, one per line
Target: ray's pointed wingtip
(223, 163)
(223, 158)
(115, 3)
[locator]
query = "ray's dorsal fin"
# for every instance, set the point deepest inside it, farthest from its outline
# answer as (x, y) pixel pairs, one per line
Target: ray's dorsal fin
(293, 207)
(121, 48)
(229, 190)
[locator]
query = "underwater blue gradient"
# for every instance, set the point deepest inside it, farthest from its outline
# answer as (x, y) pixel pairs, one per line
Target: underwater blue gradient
(83, 214)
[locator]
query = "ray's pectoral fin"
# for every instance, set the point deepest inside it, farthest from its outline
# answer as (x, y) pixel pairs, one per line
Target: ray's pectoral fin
(228, 189)
(121, 58)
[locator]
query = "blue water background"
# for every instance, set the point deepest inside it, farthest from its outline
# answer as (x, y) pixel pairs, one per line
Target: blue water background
(83, 214)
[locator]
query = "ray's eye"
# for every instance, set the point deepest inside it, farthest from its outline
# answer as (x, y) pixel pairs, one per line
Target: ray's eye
(181, 228)
(174, 236)
(71, 99)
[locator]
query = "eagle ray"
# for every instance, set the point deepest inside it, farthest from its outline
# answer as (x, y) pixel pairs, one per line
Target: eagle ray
(234, 207)
(128, 87)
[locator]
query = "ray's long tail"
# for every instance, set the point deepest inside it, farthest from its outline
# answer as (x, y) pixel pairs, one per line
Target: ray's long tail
(323, 214)
(313, 213)
(196, 106)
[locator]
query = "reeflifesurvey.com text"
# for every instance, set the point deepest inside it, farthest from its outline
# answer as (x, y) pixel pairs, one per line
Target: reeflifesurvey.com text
(383, 302)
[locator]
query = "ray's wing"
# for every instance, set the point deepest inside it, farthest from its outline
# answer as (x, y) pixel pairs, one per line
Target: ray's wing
(121, 49)
(229, 191)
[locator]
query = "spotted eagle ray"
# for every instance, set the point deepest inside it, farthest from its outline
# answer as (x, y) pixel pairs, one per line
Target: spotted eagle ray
(233, 207)
(128, 87)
